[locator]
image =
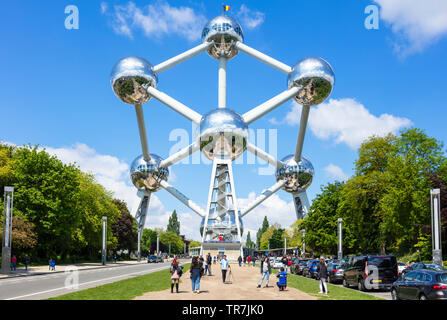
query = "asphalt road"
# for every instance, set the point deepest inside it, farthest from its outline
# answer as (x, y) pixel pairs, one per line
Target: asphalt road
(52, 285)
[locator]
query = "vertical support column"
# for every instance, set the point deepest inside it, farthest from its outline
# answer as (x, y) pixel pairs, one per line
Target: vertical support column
(235, 206)
(158, 245)
(340, 239)
(435, 195)
(222, 103)
(104, 240)
(301, 204)
(142, 130)
(141, 215)
(7, 229)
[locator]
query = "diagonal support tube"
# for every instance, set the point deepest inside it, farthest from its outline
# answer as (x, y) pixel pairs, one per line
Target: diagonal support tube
(259, 111)
(264, 196)
(184, 199)
(181, 57)
(264, 155)
(175, 105)
(178, 156)
(263, 58)
(302, 132)
(142, 129)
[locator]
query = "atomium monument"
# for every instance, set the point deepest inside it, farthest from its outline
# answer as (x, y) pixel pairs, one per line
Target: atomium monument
(222, 134)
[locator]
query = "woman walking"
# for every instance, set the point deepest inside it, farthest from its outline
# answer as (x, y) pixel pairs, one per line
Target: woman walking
(196, 271)
(265, 271)
(322, 273)
(176, 273)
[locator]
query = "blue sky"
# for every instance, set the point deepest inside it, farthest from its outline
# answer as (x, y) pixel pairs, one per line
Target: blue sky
(55, 88)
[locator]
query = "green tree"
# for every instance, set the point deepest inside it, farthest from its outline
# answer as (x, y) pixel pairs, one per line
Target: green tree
(248, 242)
(125, 228)
(170, 238)
(265, 238)
(173, 224)
(264, 227)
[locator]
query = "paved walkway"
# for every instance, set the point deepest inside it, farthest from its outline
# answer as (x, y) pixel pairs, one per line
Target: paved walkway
(40, 270)
(241, 286)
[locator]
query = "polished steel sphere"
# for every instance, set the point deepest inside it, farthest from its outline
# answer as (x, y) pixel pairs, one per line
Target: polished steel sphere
(226, 228)
(148, 175)
(130, 78)
(316, 79)
(224, 31)
(298, 176)
(222, 134)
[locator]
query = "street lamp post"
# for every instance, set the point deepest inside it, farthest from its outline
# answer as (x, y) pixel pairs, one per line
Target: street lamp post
(285, 245)
(340, 239)
(435, 195)
(158, 244)
(169, 248)
(104, 239)
(7, 229)
(304, 242)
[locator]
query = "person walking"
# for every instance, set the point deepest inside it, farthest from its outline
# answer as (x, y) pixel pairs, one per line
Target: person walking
(322, 273)
(240, 261)
(265, 271)
(245, 260)
(27, 261)
(208, 264)
(53, 265)
(254, 260)
(176, 273)
(249, 260)
(196, 271)
(13, 263)
(49, 264)
(225, 266)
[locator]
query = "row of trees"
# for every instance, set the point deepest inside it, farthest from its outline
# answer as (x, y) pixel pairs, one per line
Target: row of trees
(58, 209)
(385, 205)
(272, 237)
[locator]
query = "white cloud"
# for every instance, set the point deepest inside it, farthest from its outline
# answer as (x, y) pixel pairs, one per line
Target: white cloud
(417, 24)
(346, 121)
(250, 19)
(335, 172)
(113, 174)
(104, 7)
(155, 20)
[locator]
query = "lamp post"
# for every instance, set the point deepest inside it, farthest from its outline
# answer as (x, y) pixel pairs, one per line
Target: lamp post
(435, 197)
(7, 229)
(104, 239)
(304, 242)
(340, 239)
(158, 244)
(285, 245)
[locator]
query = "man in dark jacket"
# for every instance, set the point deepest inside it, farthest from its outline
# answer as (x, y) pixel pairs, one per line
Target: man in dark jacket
(208, 264)
(322, 273)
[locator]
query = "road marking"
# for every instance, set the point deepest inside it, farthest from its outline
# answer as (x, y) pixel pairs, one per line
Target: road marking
(90, 282)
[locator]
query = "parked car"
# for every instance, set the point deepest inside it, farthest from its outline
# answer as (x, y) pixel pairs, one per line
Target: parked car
(335, 272)
(277, 263)
(371, 272)
(421, 266)
(401, 267)
(159, 259)
(423, 284)
(310, 270)
(299, 266)
(152, 259)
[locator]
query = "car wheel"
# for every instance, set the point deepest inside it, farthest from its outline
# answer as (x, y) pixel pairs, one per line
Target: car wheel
(422, 297)
(345, 283)
(394, 295)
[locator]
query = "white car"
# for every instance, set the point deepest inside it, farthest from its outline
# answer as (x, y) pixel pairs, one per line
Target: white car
(401, 267)
(277, 264)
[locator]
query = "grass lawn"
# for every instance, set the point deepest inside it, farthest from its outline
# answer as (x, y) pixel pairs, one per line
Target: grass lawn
(311, 287)
(125, 289)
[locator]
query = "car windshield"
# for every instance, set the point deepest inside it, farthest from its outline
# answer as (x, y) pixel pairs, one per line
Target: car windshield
(442, 277)
(401, 264)
(382, 262)
(152, 257)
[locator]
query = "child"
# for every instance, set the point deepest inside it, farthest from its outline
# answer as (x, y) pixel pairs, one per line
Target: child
(282, 283)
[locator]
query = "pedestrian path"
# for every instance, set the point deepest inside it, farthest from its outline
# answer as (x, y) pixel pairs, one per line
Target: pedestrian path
(42, 270)
(240, 285)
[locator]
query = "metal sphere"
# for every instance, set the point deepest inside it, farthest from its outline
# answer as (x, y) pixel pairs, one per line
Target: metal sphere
(224, 31)
(227, 228)
(148, 175)
(298, 176)
(223, 134)
(130, 78)
(316, 79)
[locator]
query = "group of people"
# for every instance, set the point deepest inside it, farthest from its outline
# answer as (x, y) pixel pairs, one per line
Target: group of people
(197, 271)
(26, 261)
